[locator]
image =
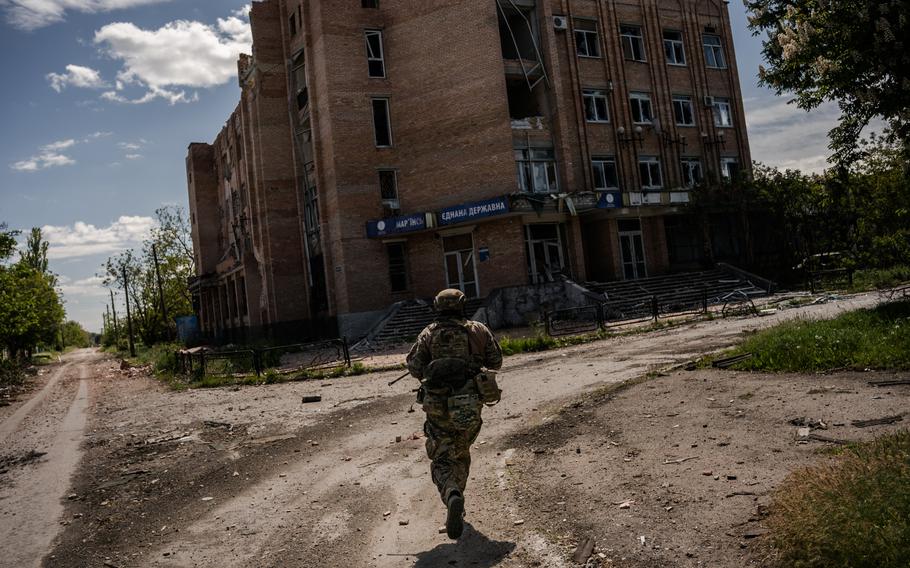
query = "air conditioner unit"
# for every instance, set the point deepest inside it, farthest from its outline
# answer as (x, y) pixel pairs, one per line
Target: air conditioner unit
(709, 101)
(560, 23)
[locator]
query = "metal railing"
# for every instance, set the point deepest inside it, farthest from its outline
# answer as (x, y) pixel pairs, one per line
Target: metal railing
(297, 357)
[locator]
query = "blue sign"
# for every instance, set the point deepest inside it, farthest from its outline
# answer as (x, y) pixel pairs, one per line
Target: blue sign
(476, 210)
(610, 200)
(393, 225)
(187, 328)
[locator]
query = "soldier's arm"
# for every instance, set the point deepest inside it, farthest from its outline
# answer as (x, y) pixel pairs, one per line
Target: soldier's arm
(492, 352)
(419, 356)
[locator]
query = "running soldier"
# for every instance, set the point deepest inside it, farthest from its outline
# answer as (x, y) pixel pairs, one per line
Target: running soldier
(449, 359)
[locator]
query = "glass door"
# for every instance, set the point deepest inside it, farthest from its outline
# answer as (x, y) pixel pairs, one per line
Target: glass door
(546, 258)
(458, 253)
(632, 250)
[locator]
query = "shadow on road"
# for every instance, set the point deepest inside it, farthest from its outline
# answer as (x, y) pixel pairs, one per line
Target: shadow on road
(472, 549)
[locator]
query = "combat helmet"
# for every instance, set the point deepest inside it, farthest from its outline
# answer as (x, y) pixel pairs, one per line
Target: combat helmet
(450, 300)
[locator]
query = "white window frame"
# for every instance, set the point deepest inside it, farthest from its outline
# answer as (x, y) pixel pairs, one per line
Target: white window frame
(533, 161)
(388, 115)
(636, 101)
(714, 52)
(674, 49)
(689, 165)
(725, 167)
(600, 163)
(678, 102)
(587, 42)
(653, 165)
(722, 109)
(632, 40)
(371, 57)
(593, 96)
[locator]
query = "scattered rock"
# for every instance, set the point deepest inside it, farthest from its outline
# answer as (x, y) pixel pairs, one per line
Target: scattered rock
(311, 398)
(584, 551)
(519, 522)
(403, 522)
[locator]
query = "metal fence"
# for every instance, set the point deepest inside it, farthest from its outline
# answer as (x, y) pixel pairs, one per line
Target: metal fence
(298, 357)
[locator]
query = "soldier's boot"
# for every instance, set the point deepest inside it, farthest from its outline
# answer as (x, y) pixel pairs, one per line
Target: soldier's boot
(455, 515)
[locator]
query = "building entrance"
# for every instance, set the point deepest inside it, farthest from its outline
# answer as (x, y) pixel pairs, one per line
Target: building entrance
(461, 274)
(545, 252)
(632, 250)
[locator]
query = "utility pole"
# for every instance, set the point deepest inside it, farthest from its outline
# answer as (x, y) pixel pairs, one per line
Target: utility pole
(167, 327)
(114, 310)
(129, 319)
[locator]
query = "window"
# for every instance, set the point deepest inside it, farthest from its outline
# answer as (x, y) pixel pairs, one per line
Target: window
(300, 86)
(605, 176)
(586, 44)
(673, 47)
(683, 111)
(375, 59)
(633, 45)
(596, 109)
(722, 114)
(382, 126)
(398, 266)
(292, 24)
(369, 3)
(714, 52)
(729, 168)
(691, 171)
(641, 108)
(649, 169)
(536, 170)
(388, 192)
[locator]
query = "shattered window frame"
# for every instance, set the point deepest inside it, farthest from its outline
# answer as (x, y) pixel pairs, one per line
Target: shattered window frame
(633, 42)
(587, 39)
(722, 110)
(680, 104)
(537, 171)
(638, 102)
(674, 48)
(692, 173)
(397, 256)
(605, 172)
(596, 105)
(375, 61)
(650, 172)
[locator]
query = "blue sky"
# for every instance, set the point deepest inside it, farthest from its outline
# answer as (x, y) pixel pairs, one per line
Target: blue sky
(101, 98)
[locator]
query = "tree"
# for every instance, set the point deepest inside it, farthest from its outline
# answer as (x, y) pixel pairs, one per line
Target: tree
(7, 242)
(852, 52)
(35, 253)
(74, 335)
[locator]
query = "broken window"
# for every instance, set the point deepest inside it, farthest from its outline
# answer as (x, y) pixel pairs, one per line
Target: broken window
(723, 116)
(382, 125)
(388, 192)
(369, 3)
(517, 31)
(642, 113)
(673, 47)
(691, 171)
(546, 257)
(536, 170)
(714, 52)
(683, 111)
(596, 109)
(398, 266)
(523, 103)
(633, 44)
(375, 55)
(292, 24)
(649, 169)
(300, 84)
(729, 168)
(605, 176)
(586, 42)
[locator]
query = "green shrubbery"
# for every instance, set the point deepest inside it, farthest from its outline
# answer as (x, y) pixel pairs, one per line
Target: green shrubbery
(876, 279)
(852, 513)
(877, 338)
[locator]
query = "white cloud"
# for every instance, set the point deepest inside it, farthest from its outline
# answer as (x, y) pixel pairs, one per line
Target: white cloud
(33, 14)
(785, 136)
(179, 54)
(91, 286)
(129, 145)
(97, 135)
(77, 76)
(48, 156)
(84, 239)
(132, 156)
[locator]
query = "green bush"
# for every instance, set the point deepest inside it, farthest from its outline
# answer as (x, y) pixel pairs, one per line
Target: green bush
(878, 278)
(539, 342)
(851, 513)
(877, 338)
(10, 373)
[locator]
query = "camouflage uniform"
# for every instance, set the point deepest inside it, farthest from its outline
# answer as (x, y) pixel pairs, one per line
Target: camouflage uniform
(453, 414)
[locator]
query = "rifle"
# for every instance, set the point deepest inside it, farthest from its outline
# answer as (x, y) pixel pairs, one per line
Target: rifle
(399, 378)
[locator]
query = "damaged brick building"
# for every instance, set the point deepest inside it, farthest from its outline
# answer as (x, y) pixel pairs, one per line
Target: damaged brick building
(385, 149)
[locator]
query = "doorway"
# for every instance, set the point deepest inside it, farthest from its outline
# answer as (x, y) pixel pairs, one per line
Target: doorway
(458, 252)
(545, 252)
(632, 250)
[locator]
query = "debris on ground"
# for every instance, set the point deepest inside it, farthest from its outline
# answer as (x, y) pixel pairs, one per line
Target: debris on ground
(584, 551)
(878, 421)
(311, 398)
(730, 361)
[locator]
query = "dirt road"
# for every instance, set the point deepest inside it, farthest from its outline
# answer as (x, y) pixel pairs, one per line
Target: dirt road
(252, 477)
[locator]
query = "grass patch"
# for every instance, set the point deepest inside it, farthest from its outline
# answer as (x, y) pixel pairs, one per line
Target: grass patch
(852, 513)
(876, 338)
(878, 278)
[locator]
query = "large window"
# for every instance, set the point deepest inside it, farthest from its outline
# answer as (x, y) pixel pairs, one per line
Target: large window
(586, 43)
(536, 170)
(633, 44)
(398, 266)
(691, 171)
(382, 125)
(723, 115)
(375, 56)
(642, 113)
(673, 47)
(649, 169)
(714, 52)
(729, 168)
(596, 109)
(683, 112)
(388, 192)
(605, 175)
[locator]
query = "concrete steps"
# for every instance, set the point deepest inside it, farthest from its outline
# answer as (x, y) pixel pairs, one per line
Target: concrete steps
(410, 319)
